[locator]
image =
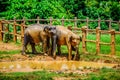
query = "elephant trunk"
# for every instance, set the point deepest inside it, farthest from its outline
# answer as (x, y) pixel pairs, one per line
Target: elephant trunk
(54, 46)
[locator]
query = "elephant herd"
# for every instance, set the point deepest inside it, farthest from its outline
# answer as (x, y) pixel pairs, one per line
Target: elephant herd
(51, 37)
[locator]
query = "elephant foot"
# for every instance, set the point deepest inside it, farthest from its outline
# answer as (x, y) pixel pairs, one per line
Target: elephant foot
(54, 57)
(23, 53)
(49, 52)
(45, 54)
(59, 53)
(69, 58)
(35, 52)
(76, 57)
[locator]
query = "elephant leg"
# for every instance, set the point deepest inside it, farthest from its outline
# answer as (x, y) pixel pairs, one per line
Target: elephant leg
(26, 41)
(59, 49)
(69, 52)
(76, 56)
(54, 46)
(33, 48)
(48, 47)
(45, 47)
(69, 48)
(48, 43)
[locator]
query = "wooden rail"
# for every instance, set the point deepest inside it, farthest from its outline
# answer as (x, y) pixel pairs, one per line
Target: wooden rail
(97, 41)
(75, 21)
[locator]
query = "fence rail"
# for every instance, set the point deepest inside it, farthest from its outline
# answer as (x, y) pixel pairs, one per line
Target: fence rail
(75, 21)
(4, 27)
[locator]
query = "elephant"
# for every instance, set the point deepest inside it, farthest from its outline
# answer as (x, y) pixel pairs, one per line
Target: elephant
(65, 36)
(37, 33)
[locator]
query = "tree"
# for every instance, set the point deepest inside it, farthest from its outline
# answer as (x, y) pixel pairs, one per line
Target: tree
(34, 8)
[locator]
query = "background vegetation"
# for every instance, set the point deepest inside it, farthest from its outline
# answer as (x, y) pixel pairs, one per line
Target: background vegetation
(94, 9)
(59, 8)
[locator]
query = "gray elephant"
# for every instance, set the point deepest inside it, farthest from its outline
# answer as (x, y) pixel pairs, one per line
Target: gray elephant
(65, 36)
(37, 33)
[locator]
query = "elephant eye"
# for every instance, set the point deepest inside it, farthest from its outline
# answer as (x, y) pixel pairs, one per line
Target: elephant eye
(78, 39)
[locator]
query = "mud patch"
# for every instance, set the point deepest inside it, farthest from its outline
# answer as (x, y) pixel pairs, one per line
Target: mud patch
(51, 65)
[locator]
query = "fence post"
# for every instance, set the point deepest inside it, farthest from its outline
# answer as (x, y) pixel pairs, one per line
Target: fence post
(1, 29)
(119, 25)
(84, 39)
(50, 21)
(97, 40)
(99, 21)
(62, 21)
(87, 22)
(75, 22)
(112, 42)
(110, 24)
(38, 20)
(14, 31)
(22, 29)
(23, 21)
(22, 33)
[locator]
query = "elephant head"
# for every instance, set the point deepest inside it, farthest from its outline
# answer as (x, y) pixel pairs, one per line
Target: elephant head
(51, 30)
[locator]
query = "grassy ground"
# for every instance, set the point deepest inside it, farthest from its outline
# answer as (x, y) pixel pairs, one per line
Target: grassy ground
(102, 74)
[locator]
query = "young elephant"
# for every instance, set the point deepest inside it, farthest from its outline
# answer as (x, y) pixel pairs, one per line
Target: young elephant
(66, 37)
(37, 33)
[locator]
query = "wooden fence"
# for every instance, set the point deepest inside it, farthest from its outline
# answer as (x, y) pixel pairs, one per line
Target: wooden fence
(4, 27)
(75, 21)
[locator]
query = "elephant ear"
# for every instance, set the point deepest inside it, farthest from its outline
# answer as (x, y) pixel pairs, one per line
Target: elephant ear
(71, 38)
(46, 28)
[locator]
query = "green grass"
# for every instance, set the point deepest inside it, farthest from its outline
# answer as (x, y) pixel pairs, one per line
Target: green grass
(36, 75)
(100, 74)
(104, 49)
(105, 74)
(41, 75)
(10, 52)
(7, 54)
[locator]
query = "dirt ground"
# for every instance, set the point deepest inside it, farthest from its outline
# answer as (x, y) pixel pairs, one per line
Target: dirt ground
(30, 57)
(8, 46)
(18, 57)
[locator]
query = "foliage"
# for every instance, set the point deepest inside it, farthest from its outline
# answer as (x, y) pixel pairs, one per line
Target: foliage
(45, 9)
(58, 9)
(34, 8)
